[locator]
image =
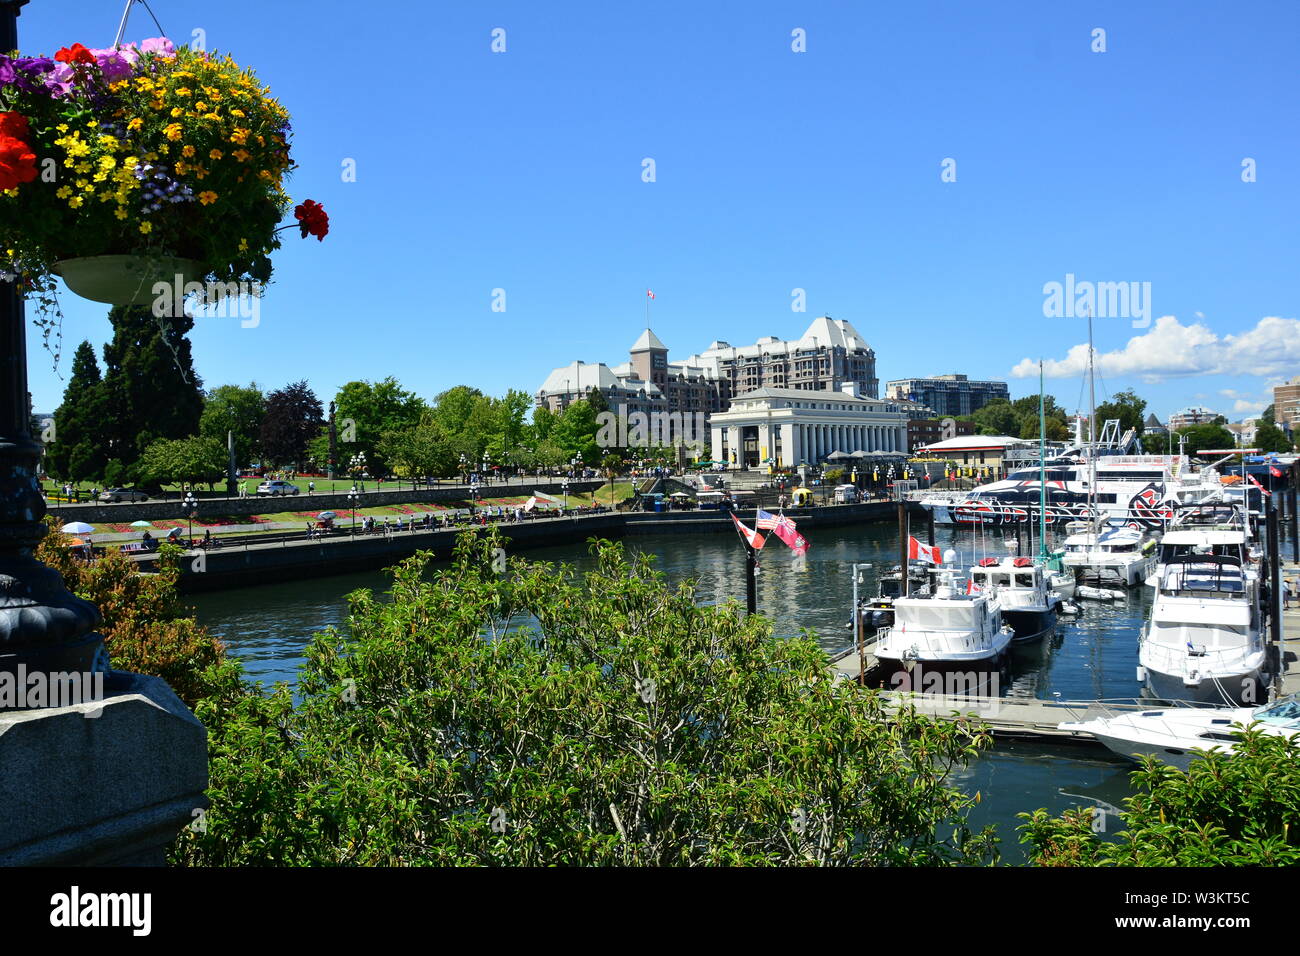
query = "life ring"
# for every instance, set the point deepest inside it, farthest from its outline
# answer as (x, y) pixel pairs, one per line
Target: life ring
(988, 562)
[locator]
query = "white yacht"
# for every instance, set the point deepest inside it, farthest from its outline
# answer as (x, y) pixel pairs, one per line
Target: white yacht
(1123, 553)
(1204, 640)
(1142, 489)
(1021, 588)
(1173, 735)
(947, 630)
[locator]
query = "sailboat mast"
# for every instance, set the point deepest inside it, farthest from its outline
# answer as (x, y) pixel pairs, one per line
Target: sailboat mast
(1042, 469)
(1092, 434)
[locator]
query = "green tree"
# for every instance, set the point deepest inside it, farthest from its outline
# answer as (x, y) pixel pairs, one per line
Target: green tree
(369, 410)
(1207, 436)
(627, 724)
(293, 417)
(149, 380)
(575, 432)
(1241, 809)
(1128, 408)
(183, 461)
(1268, 437)
(239, 409)
(998, 417)
(78, 452)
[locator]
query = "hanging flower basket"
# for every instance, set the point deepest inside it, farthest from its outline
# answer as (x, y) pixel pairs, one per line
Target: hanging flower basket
(125, 167)
(127, 280)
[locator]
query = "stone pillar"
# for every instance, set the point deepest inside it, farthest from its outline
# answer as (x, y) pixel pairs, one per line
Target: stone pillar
(716, 441)
(110, 789)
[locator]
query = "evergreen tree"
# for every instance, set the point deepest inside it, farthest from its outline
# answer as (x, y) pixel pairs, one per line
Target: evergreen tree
(151, 388)
(77, 452)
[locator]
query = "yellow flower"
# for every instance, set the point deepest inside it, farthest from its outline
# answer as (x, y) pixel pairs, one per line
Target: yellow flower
(135, 124)
(183, 91)
(146, 227)
(207, 197)
(63, 192)
(119, 212)
(75, 202)
(212, 116)
(243, 245)
(200, 106)
(182, 167)
(242, 155)
(187, 151)
(239, 136)
(215, 154)
(173, 131)
(177, 111)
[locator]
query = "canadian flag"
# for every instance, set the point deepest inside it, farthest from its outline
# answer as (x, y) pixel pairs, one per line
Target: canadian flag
(649, 294)
(1251, 479)
(971, 588)
(916, 551)
(1272, 470)
(752, 537)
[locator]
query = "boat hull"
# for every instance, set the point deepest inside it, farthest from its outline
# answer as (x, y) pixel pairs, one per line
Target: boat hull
(1029, 624)
(1236, 688)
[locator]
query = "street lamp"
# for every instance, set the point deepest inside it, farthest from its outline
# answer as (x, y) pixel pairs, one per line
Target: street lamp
(44, 628)
(353, 498)
(190, 504)
(564, 484)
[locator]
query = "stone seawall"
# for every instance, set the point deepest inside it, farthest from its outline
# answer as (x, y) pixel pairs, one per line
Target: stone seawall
(171, 507)
(271, 563)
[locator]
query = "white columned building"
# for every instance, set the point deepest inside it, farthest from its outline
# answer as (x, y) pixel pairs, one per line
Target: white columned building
(787, 427)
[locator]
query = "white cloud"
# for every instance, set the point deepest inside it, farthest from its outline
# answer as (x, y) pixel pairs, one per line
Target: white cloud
(1173, 350)
(1241, 405)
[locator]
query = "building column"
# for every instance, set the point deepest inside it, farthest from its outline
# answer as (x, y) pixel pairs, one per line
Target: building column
(716, 442)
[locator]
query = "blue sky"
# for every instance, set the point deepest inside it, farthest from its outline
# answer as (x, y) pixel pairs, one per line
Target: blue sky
(775, 170)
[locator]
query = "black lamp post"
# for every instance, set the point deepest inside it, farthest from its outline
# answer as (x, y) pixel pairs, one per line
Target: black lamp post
(190, 504)
(43, 627)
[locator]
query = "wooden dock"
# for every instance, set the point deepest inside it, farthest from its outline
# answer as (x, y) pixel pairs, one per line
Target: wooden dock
(1015, 718)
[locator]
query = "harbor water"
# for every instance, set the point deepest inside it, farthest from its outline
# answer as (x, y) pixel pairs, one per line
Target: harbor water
(1089, 657)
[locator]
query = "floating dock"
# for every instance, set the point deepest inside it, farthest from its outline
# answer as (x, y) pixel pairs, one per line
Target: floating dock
(1019, 718)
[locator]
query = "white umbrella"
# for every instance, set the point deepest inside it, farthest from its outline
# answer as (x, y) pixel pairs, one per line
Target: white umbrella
(77, 527)
(327, 515)
(141, 524)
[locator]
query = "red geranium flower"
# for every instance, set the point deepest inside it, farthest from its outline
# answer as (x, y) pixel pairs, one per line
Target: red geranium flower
(312, 219)
(15, 125)
(75, 54)
(17, 163)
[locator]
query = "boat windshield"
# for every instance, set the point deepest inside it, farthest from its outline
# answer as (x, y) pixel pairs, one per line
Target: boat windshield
(1284, 712)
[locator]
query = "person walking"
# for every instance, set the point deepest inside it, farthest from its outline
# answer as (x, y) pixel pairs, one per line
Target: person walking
(1286, 594)
(311, 487)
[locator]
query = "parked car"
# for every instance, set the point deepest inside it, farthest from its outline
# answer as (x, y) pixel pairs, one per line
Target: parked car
(122, 494)
(277, 488)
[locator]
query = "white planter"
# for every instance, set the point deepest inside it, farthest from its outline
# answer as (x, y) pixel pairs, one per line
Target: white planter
(126, 280)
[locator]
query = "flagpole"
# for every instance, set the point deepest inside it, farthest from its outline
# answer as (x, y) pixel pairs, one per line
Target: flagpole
(751, 581)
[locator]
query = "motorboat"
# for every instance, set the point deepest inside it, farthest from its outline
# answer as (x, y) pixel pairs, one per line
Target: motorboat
(1122, 553)
(1174, 735)
(1021, 588)
(1204, 639)
(947, 630)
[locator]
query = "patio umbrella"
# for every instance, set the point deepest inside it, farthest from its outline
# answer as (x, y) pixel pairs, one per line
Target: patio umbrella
(77, 527)
(859, 454)
(327, 515)
(141, 524)
(836, 456)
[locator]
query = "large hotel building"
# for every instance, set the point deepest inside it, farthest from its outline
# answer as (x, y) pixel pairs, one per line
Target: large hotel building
(829, 369)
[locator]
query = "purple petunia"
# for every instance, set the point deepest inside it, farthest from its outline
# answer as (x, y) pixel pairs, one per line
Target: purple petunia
(160, 45)
(113, 64)
(7, 72)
